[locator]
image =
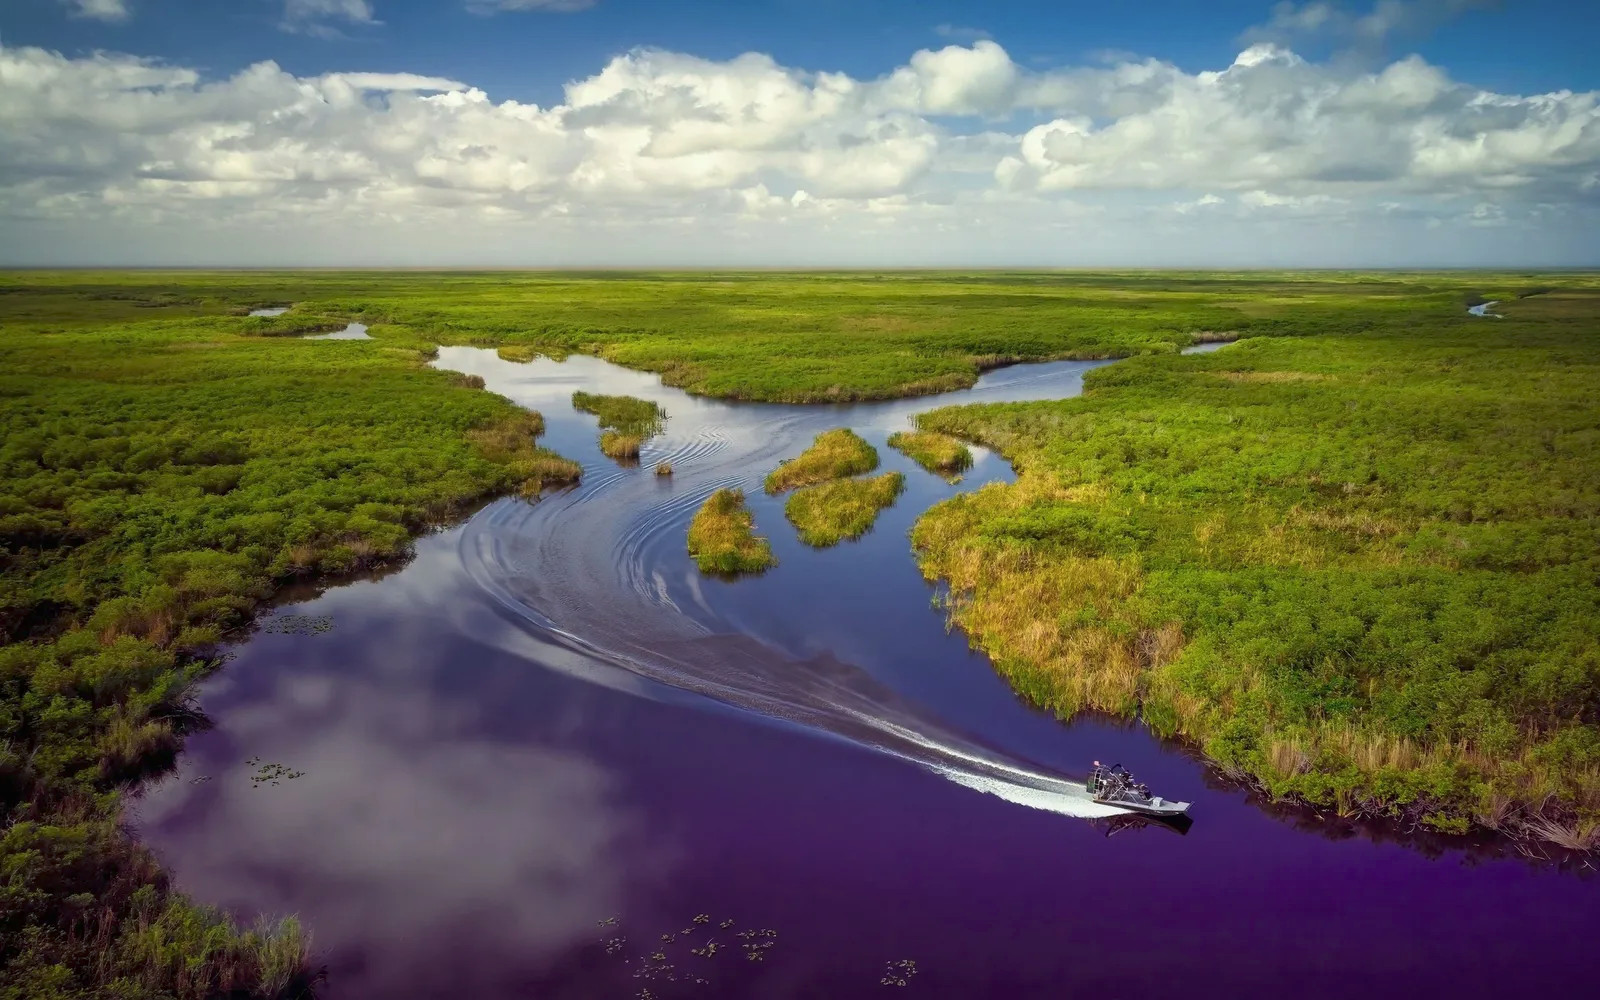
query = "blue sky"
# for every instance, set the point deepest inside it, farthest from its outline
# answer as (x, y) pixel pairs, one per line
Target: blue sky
(967, 129)
(1518, 46)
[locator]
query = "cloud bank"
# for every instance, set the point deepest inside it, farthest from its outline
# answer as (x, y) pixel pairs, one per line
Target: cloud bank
(960, 154)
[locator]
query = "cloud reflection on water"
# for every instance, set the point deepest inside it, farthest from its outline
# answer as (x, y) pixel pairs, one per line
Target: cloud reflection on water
(410, 831)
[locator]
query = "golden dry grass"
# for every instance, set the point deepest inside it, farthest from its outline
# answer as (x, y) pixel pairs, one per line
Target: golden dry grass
(833, 455)
(722, 539)
(940, 454)
(615, 444)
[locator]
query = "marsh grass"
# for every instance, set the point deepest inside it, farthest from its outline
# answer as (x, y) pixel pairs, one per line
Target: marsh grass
(663, 468)
(828, 513)
(1402, 552)
(722, 539)
(940, 454)
(517, 353)
(626, 414)
(626, 423)
(162, 470)
(1356, 570)
(833, 455)
(511, 442)
(624, 447)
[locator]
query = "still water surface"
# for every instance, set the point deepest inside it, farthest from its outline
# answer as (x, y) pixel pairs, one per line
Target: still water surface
(548, 758)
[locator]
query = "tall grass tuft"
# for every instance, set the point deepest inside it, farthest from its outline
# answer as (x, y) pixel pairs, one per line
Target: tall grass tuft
(722, 539)
(615, 444)
(833, 455)
(845, 508)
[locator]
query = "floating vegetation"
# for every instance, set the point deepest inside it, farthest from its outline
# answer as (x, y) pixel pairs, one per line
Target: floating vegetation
(846, 508)
(663, 468)
(685, 956)
(940, 454)
(722, 537)
(899, 973)
(833, 455)
(688, 958)
(270, 772)
(298, 624)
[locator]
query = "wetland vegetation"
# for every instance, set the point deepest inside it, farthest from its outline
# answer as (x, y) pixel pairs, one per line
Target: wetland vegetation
(833, 455)
(828, 513)
(940, 454)
(1356, 569)
(165, 467)
(722, 538)
(626, 422)
(1352, 557)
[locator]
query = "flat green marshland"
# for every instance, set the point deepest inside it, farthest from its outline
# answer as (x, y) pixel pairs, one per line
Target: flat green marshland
(831, 512)
(1352, 557)
(1358, 569)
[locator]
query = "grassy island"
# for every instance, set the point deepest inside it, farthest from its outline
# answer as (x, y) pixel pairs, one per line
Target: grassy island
(626, 422)
(828, 513)
(940, 454)
(1357, 569)
(833, 455)
(722, 539)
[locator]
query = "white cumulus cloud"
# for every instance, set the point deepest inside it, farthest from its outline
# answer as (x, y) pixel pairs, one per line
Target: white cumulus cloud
(99, 10)
(554, 6)
(316, 17)
(960, 150)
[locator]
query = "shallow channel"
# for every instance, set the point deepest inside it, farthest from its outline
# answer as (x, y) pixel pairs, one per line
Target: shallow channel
(548, 758)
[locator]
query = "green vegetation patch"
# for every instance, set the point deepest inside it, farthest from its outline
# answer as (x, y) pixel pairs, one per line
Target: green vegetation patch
(845, 508)
(626, 422)
(811, 337)
(940, 454)
(1359, 570)
(722, 539)
(162, 468)
(627, 414)
(833, 455)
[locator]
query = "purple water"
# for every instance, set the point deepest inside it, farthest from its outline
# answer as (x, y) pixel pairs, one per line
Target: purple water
(547, 741)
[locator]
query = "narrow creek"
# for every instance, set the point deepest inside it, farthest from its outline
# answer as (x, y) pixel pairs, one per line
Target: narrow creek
(547, 757)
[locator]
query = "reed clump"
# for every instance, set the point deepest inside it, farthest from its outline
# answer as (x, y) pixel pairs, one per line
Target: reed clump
(833, 455)
(722, 539)
(828, 513)
(940, 454)
(616, 444)
(663, 468)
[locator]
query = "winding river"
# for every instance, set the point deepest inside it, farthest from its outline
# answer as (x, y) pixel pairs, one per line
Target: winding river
(548, 758)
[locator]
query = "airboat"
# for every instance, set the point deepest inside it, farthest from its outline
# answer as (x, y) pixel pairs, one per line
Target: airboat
(1115, 786)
